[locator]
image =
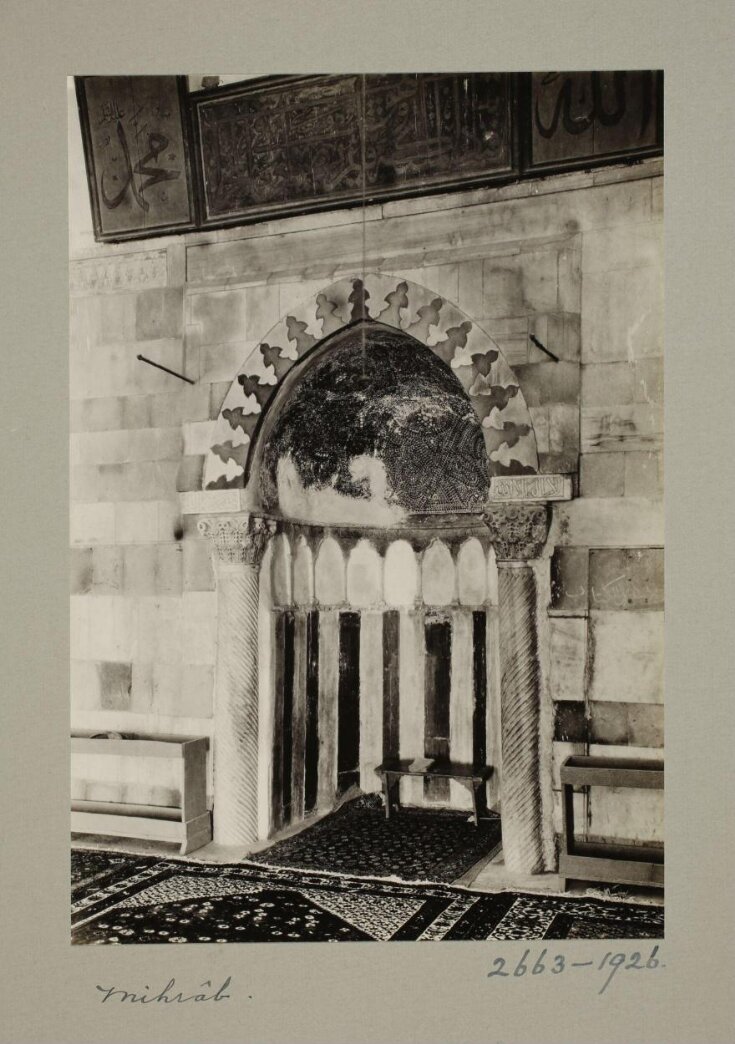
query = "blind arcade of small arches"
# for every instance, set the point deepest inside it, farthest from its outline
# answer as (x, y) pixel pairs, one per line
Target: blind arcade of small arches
(319, 569)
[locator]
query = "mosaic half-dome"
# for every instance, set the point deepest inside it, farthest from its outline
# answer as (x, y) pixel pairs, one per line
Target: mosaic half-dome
(377, 419)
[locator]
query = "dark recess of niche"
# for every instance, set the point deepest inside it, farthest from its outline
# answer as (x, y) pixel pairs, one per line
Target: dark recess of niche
(437, 681)
(348, 703)
(287, 734)
(479, 687)
(391, 660)
(277, 778)
(311, 751)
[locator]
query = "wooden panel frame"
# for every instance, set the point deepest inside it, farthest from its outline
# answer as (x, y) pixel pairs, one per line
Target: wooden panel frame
(519, 165)
(532, 168)
(584, 770)
(156, 228)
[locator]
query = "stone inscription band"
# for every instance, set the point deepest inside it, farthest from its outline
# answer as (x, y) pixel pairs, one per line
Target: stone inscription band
(530, 487)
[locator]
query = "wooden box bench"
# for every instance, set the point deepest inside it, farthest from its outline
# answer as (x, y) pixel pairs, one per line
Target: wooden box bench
(473, 777)
(609, 861)
(188, 824)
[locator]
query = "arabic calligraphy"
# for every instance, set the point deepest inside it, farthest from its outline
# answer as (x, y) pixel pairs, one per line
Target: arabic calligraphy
(626, 579)
(136, 152)
(111, 112)
(575, 89)
(313, 142)
(157, 143)
(322, 136)
(536, 487)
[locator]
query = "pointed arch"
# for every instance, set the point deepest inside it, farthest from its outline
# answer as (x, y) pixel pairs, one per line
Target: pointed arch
(400, 574)
(329, 573)
(303, 574)
(438, 575)
(471, 573)
(458, 340)
(364, 575)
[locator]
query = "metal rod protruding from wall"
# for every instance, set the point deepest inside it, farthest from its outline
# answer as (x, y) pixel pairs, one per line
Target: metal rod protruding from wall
(543, 348)
(159, 366)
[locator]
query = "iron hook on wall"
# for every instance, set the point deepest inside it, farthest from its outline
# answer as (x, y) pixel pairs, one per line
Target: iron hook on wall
(159, 366)
(538, 345)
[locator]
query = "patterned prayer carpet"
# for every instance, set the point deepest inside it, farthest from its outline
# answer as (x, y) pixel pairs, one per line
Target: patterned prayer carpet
(415, 844)
(90, 868)
(128, 899)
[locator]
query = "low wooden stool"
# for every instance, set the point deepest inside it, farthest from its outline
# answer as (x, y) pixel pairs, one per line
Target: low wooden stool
(473, 777)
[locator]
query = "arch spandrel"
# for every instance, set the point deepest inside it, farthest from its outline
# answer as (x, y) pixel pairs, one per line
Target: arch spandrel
(434, 321)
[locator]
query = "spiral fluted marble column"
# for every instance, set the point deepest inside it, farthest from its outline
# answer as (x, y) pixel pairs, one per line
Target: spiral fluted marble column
(238, 547)
(518, 533)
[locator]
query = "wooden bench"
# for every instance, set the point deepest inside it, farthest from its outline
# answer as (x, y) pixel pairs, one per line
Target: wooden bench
(188, 824)
(473, 777)
(609, 861)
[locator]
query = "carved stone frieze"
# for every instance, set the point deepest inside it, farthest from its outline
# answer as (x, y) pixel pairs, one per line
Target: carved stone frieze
(123, 272)
(518, 531)
(507, 488)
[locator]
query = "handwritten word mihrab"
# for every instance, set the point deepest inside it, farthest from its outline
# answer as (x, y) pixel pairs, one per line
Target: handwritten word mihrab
(166, 995)
(559, 964)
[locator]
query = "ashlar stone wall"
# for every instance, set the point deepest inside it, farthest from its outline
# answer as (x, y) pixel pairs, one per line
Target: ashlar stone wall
(574, 260)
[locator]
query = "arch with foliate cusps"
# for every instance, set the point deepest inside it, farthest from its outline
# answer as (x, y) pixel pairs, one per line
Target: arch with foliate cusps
(455, 338)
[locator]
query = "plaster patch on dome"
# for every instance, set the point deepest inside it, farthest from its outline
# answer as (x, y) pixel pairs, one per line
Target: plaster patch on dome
(378, 397)
(325, 505)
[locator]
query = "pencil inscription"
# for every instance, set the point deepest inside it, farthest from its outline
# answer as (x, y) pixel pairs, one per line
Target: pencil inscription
(166, 996)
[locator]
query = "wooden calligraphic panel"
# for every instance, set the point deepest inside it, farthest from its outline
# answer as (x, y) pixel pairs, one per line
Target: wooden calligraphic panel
(573, 118)
(134, 130)
(289, 145)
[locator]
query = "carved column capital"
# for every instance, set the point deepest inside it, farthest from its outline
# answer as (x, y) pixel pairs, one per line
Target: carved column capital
(518, 531)
(239, 539)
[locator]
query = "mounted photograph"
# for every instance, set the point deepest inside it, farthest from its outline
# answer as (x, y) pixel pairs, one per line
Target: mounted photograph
(366, 507)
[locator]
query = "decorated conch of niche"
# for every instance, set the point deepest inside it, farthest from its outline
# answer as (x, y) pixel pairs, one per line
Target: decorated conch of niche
(457, 340)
